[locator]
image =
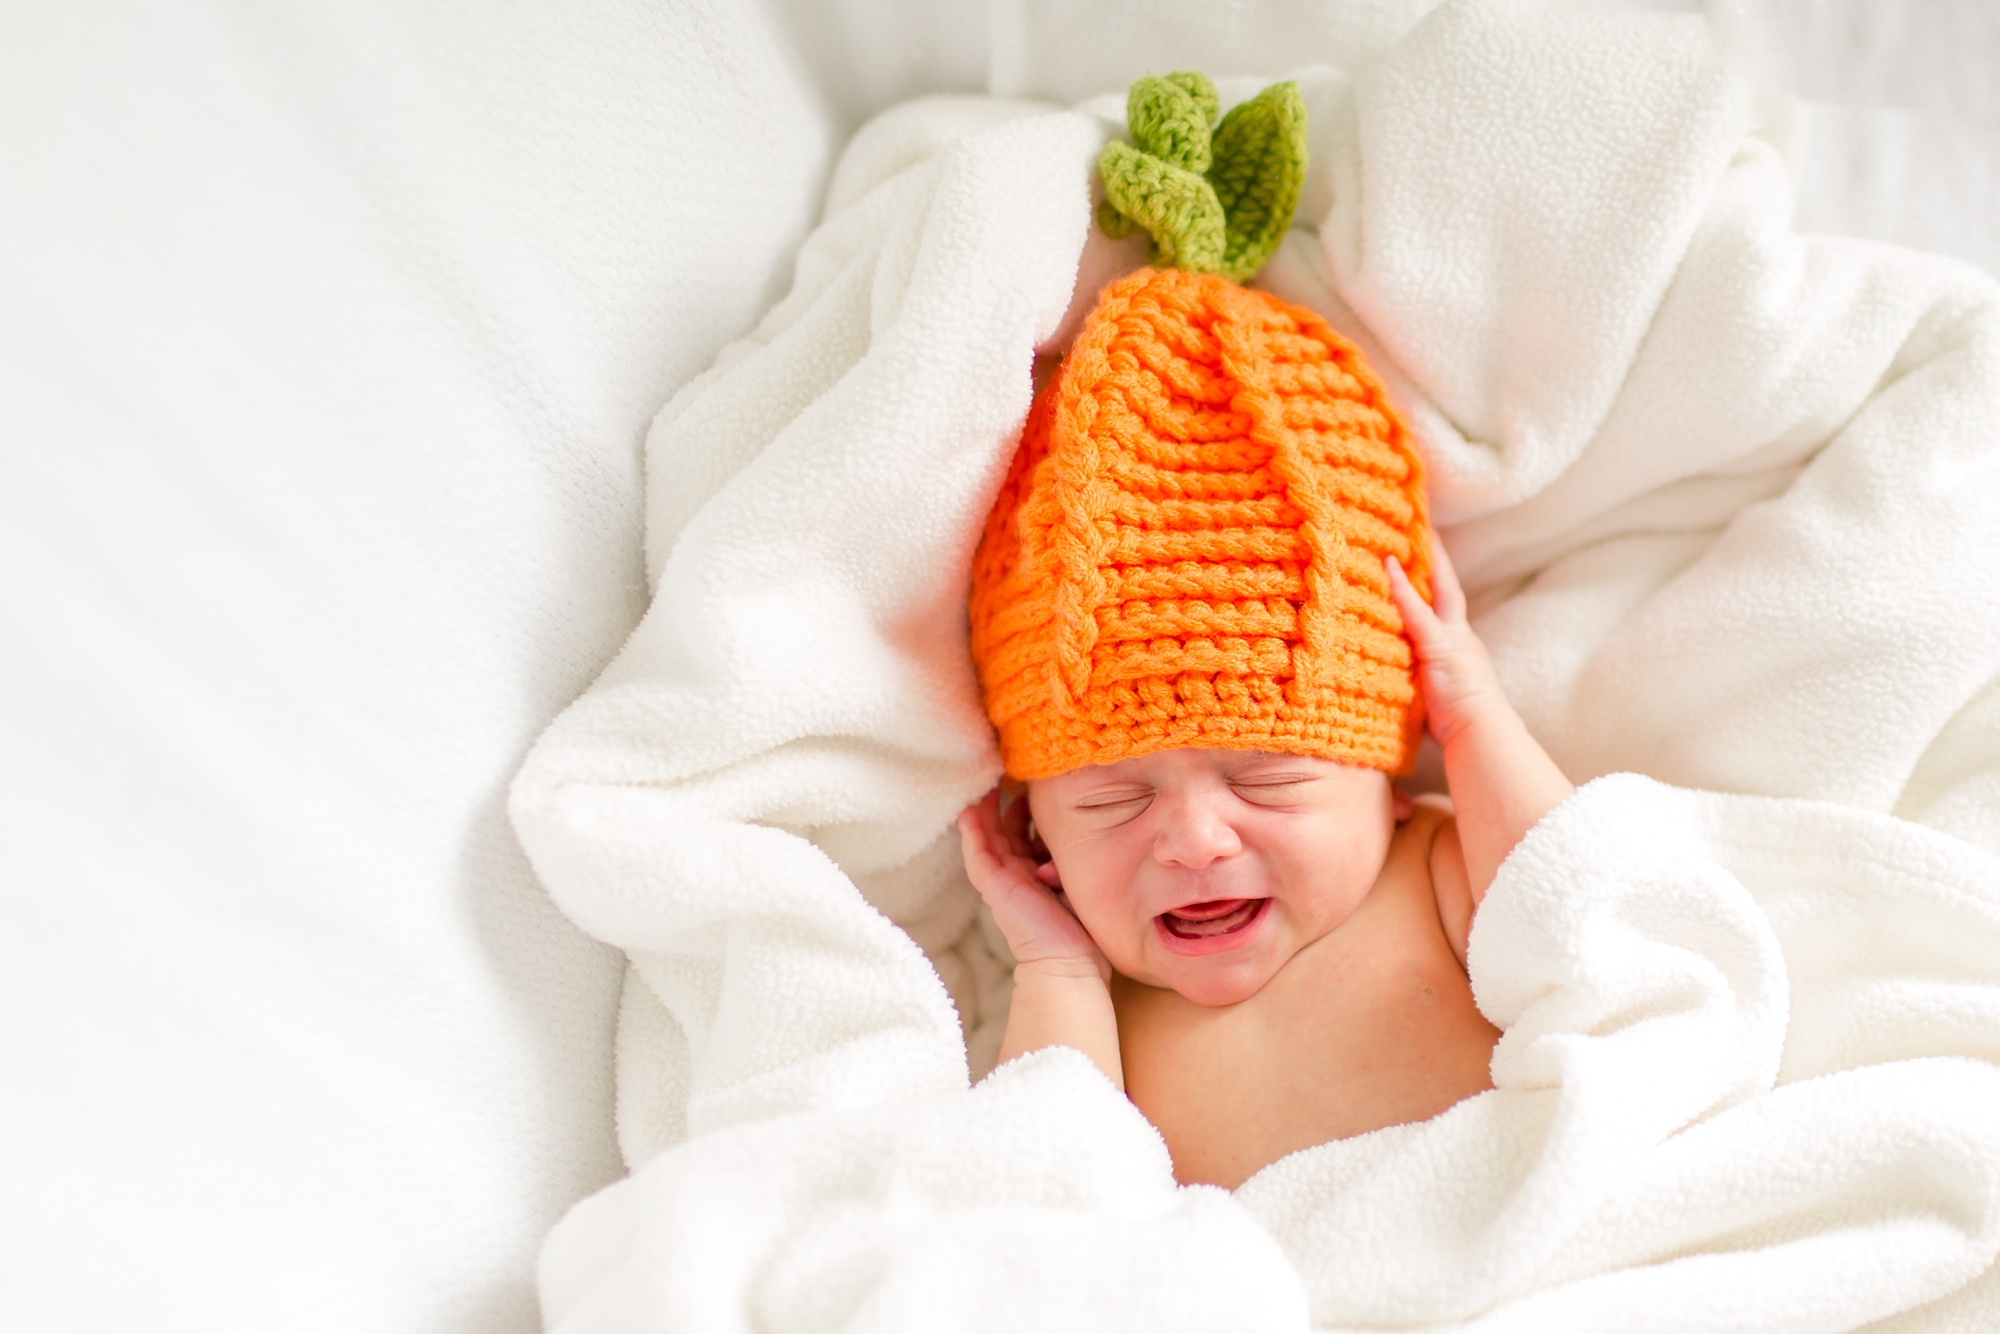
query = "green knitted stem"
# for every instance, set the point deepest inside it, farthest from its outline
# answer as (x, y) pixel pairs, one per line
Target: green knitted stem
(1214, 201)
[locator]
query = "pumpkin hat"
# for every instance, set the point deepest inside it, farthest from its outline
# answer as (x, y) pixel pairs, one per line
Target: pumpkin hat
(1188, 549)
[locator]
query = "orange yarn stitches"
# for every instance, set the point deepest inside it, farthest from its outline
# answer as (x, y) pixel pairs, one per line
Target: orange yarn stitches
(1188, 548)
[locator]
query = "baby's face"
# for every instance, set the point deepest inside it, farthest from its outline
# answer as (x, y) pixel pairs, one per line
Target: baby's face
(1206, 870)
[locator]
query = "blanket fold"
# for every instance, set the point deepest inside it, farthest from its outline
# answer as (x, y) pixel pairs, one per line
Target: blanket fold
(1647, 951)
(1723, 497)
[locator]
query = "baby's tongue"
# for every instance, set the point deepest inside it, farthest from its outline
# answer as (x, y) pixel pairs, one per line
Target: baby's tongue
(1212, 918)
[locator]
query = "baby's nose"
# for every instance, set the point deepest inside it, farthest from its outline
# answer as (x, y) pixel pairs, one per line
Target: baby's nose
(1194, 833)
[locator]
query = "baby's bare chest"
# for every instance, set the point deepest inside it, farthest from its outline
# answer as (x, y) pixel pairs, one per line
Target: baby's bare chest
(1352, 1035)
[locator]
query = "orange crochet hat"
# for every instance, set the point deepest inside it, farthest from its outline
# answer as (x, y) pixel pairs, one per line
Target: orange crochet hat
(1188, 549)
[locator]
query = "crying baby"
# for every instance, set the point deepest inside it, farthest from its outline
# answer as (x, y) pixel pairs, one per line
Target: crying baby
(1211, 623)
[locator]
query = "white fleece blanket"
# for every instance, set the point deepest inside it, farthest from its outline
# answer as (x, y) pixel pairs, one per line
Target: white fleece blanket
(1726, 500)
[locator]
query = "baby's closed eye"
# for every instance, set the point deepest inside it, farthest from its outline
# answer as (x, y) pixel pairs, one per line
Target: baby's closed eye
(1271, 789)
(1116, 803)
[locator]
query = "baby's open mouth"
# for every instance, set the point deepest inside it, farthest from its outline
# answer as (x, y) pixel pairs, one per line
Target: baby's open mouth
(1216, 917)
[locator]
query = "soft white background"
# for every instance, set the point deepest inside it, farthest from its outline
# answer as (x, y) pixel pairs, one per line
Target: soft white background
(328, 335)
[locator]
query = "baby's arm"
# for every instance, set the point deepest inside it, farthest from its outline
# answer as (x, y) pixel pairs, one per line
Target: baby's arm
(1501, 779)
(1062, 995)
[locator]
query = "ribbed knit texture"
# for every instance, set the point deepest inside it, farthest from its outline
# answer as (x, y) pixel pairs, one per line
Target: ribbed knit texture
(1188, 548)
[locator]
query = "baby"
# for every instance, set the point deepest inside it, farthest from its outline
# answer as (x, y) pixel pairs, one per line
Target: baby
(1198, 638)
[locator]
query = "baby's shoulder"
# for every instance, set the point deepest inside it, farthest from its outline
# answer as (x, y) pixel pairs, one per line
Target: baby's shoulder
(1426, 849)
(1430, 818)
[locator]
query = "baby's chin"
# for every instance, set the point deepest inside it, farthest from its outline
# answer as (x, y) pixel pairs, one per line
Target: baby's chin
(1230, 988)
(1217, 970)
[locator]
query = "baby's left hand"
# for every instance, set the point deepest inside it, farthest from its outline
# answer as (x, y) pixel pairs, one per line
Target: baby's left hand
(1453, 666)
(1501, 779)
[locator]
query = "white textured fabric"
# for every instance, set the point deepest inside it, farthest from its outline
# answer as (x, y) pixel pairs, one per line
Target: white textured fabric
(1717, 489)
(1067, 52)
(328, 336)
(1897, 134)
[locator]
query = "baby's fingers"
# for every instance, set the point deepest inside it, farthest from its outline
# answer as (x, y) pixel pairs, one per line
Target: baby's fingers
(1420, 621)
(1452, 665)
(1447, 594)
(1036, 924)
(1018, 826)
(991, 863)
(980, 839)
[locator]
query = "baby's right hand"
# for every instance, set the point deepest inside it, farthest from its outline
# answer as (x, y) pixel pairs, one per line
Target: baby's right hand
(1043, 933)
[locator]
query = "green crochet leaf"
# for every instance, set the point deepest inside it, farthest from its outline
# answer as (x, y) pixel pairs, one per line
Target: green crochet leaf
(1169, 118)
(1213, 201)
(1113, 223)
(1177, 206)
(1259, 170)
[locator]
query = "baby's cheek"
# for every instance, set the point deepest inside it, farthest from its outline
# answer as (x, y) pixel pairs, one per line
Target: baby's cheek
(1111, 920)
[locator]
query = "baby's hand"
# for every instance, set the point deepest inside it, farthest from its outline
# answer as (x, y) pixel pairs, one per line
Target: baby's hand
(1043, 933)
(1453, 667)
(1062, 996)
(1501, 779)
